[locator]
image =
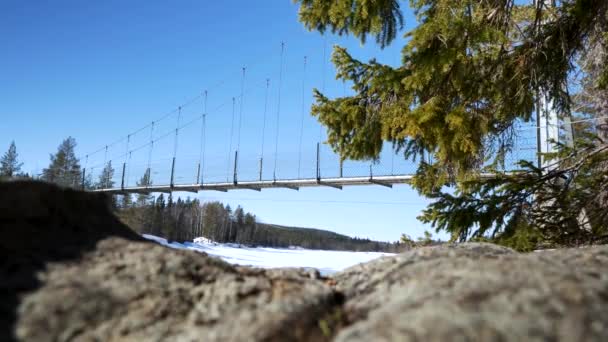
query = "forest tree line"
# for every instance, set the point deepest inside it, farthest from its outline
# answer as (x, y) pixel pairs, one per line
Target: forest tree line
(183, 220)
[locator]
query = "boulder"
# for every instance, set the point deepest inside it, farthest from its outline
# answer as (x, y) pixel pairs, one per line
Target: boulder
(478, 292)
(126, 291)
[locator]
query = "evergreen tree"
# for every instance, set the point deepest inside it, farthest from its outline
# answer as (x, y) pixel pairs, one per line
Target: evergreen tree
(239, 215)
(64, 169)
(106, 177)
(88, 182)
(144, 181)
(9, 163)
(159, 212)
(126, 201)
(471, 71)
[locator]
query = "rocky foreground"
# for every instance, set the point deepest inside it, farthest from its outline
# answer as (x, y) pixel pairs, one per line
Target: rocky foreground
(70, 271)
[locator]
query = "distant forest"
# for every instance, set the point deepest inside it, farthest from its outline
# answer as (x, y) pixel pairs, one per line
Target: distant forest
(183, 220)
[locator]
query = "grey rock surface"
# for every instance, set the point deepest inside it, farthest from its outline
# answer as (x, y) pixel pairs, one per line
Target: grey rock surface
(478, 292)
(70, 271)
(145, 292)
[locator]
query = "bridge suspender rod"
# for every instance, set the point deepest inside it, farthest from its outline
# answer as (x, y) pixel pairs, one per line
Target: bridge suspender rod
(323, 80)
(231, 136)
(264, 126)
(128, 169)
(84, 176)
(302, 118)
(179, 116)
(84, 171)
(201, 155)
(124, 164)
(127, 147)
(276, 138)
(148, 170)
(238, 139)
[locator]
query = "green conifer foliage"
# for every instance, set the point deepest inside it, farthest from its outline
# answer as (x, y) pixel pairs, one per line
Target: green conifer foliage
(9, 163)
(105, 178)
(64, 168)
(381, 18)
(471, 70)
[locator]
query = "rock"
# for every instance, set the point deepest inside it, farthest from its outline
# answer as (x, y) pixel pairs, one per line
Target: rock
(473, 292)
(41, 223)
(69, 270)
(141, 292)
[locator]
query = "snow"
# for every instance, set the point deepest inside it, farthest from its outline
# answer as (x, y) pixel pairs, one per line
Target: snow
(327, 262)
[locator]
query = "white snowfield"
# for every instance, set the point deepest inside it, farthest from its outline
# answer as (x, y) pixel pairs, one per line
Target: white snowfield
(327, 262)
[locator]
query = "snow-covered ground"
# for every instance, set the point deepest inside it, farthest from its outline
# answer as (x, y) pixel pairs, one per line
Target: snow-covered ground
(327, 262)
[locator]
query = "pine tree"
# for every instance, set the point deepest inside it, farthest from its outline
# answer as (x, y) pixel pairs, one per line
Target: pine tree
(9, 163)
(64, 169)
(105, 178)
(144, 181)
(239, 215)
(126, 201)
(88, 182)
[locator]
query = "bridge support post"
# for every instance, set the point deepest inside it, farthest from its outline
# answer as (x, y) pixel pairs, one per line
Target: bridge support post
(341, 168)
(84, 177)
(236, 162)
(373, 181)
(172, 184)
(261, 165)
(122, 181)
(198, 173)
(318, 166)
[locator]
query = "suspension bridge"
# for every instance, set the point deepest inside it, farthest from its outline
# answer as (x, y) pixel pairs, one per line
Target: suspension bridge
(226, 147)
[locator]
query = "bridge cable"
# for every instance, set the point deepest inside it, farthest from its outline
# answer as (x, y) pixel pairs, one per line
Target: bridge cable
(167, 133)
(216, 85)
(276, 138)
(302, 117)
(231, 138)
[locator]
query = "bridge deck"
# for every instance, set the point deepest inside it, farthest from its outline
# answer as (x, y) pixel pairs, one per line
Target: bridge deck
(295, 184)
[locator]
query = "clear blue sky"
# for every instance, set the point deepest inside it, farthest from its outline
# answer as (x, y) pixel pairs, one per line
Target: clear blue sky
(100, 70)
